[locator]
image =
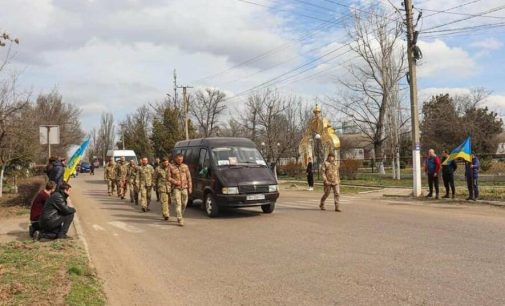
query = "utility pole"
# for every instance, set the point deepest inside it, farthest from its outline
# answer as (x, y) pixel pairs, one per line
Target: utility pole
(175, 89)
(186, 109)
(416, 145)
(122, 135)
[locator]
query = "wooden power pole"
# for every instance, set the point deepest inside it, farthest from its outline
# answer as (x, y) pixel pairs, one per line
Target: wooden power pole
(186, 109)
(416, 145)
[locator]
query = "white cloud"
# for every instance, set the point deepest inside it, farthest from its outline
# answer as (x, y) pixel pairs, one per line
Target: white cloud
(441, 61)
(491, 44)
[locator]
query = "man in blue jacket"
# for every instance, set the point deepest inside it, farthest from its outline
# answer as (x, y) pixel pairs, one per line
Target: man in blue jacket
(57, 171)
(472, 176)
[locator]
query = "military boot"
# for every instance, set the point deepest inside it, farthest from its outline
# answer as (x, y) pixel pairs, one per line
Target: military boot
(321, 206)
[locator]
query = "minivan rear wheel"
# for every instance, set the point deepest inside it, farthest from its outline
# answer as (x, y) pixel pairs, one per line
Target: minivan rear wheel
(268, 208)
(211, 207)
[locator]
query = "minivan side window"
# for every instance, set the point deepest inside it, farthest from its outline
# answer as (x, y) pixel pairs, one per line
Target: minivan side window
(203, 163)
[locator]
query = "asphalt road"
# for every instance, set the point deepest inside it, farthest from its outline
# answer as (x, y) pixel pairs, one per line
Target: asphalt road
(376, 252)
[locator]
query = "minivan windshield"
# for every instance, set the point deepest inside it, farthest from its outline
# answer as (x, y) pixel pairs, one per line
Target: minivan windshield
(237, 156)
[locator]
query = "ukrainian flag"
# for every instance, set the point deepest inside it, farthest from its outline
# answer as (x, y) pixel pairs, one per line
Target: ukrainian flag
(75, 159)
(463, 151)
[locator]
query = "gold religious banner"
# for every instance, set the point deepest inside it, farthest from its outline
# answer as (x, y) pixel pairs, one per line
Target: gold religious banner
(319, 139)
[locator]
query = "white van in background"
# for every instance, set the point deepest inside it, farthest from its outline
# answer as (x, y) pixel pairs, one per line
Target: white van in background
(116, 154)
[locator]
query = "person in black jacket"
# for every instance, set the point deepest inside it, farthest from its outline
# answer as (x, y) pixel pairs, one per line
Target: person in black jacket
(310, 174)
(57, 171)
(56, 215)
(448, 174)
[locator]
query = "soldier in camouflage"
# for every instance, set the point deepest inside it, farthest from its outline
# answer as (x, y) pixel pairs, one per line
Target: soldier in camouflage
(180, 178)
(162, 175)
(121, 173)
(131, 174)
(109, 175)
(331, 179)
(144, 181)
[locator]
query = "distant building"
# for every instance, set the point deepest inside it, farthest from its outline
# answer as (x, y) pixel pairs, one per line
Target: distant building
(355, 146)
(501, 144)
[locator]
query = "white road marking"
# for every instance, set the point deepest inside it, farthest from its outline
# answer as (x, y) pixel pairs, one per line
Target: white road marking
(126, 227)
(161, 226)
(97, 227)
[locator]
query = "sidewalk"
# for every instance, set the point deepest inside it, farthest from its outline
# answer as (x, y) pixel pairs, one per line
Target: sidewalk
(16, 229)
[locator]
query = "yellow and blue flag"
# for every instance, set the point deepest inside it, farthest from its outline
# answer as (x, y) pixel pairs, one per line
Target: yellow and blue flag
(75, 160)
(463, 151)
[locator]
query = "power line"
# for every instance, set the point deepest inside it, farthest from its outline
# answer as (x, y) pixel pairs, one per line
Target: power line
(308, 34)
(283, 10)
(270, 82)
(453, 8)
(459, 14)
(351, 7)
(262, 55)
(466, 18)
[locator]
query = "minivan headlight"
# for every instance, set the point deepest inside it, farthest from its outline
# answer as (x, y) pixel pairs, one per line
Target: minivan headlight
(230, 190)
(272, 188)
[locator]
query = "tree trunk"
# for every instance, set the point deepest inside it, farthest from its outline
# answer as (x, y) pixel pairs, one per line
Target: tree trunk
(393, 167)
(379, 158)
(398, 177)
(2, 180)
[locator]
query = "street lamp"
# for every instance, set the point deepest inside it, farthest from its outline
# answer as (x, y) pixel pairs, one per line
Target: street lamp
(317, 142)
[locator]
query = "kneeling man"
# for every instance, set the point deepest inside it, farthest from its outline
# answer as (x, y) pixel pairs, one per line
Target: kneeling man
(56, 215)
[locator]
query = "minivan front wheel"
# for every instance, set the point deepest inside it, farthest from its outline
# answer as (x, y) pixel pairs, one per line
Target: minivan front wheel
(211, 208)
(268, 208)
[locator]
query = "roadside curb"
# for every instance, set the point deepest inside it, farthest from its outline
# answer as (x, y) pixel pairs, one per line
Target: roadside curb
(374, 187)
(80, 234)
(458, 201)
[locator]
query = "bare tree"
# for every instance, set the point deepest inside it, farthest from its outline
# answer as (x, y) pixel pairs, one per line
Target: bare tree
(206, 108)
(51, 109)
(234, 129)
(106, 134)
(275, 123)
(13, 131)
(369, 89)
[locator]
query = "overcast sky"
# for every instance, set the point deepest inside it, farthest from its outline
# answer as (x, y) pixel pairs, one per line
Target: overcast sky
(115, 55)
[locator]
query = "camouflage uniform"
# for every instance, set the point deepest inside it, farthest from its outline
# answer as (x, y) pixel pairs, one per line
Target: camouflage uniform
(121, 173)
(181, 182)
(110, 176)
(144, 182)
(162, 176)
(131, 174)
(331, 180)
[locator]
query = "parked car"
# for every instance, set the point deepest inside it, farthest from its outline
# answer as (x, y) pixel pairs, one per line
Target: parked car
(84, 167)
(228, 172)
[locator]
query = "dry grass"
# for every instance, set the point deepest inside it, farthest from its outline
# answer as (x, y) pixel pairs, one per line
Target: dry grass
(50, 273)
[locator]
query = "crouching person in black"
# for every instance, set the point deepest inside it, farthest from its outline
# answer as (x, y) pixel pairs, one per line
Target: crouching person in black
(56, 215)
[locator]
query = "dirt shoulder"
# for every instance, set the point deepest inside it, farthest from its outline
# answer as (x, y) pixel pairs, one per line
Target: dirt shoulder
(41, 273)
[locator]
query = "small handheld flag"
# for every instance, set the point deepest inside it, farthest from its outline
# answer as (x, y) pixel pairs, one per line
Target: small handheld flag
(463, 151)
(75, 159)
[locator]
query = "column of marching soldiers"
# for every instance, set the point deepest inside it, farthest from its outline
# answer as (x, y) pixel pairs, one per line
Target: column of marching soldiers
(170, 181)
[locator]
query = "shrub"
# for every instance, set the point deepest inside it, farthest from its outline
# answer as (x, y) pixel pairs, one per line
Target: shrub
(485, 165)
(349, 168)
(403, 164)
(291, 169)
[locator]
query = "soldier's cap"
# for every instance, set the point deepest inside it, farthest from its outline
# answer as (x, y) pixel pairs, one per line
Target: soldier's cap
(164, 160)
(331, 155)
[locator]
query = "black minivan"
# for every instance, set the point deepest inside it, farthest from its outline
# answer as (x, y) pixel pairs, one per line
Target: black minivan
(228, 172)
